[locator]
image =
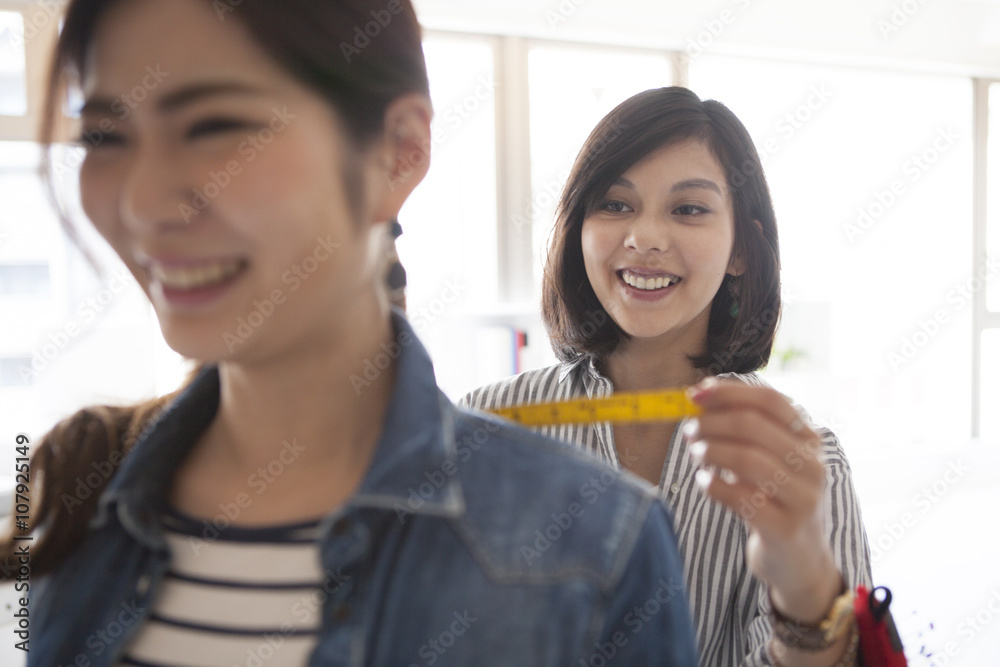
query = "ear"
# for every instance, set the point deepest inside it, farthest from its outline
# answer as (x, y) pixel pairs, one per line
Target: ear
(405, 152)
(737, 263)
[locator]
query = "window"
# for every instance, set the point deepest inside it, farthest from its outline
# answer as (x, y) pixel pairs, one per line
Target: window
(993, 205)
(874, 214)
(449, 241)
(24, 280)
(13, 85)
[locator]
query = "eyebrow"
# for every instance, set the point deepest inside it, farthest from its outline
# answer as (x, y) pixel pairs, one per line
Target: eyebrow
(178, 98)
(689, 184)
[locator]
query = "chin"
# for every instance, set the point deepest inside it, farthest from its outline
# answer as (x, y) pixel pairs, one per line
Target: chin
(203, 344)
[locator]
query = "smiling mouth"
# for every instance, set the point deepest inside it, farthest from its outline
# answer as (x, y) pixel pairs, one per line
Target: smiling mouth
(196, 277)
(648, 283)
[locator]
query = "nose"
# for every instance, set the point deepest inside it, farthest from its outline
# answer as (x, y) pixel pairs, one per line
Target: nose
(647, 233)
(155, 195)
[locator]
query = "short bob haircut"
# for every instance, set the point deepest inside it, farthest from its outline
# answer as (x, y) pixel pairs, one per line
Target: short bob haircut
(576, 321)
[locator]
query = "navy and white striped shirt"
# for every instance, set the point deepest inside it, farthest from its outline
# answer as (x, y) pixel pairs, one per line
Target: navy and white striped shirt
(236, 596)
(729, 605)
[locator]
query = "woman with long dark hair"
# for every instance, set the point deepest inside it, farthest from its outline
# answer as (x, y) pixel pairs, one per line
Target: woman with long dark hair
(309, 496)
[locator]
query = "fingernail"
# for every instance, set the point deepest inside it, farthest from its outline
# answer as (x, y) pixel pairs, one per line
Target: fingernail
(691, 429)
(703, 390)
(697, 451)
(703, 478)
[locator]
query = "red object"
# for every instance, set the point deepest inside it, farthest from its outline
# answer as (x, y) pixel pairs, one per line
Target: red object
(878, 643)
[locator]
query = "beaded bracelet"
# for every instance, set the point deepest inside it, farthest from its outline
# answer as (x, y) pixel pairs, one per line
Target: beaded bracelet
(850, 656)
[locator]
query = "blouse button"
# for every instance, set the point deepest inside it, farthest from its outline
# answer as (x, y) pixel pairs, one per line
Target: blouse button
(675, 489)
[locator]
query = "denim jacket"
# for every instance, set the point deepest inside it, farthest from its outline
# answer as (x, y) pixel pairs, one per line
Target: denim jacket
(469, 542)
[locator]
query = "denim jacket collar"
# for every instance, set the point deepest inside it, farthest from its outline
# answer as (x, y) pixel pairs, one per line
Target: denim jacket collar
(415, 443)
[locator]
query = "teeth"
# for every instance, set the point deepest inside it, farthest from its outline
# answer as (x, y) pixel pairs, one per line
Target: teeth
(193, 277)
(642, 283)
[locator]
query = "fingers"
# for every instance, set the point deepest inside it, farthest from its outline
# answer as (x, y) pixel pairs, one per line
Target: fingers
(757, 456)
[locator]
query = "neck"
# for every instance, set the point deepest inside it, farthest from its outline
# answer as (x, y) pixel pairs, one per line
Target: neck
(645, 364)
(305, 397)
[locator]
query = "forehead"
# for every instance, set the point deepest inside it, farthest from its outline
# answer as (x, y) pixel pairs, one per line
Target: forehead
(690, 158)
(161, 45)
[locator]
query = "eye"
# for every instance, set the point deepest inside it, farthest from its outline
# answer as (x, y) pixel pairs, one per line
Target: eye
(690, 209)
(211, 126)
(94, 139)
(614, 206)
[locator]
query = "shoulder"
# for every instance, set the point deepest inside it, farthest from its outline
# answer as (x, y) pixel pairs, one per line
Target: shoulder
(540, 508)
(541, 384)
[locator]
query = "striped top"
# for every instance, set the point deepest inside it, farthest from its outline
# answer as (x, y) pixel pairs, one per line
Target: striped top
(729, 605)
(236, 596)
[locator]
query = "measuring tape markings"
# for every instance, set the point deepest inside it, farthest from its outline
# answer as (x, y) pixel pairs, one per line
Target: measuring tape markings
(654, 406)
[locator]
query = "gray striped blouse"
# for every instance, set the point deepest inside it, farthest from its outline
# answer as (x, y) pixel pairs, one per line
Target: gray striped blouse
(729, 605)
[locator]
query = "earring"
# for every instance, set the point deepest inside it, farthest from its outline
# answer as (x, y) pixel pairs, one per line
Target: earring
(396, 277)
(734, 293)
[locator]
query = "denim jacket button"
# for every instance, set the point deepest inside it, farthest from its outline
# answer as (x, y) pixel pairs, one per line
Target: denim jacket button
(341, 527)
(142, 586)
(341, 612)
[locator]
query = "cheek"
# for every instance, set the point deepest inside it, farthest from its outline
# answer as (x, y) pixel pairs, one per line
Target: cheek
(596, 244)
(99, 198)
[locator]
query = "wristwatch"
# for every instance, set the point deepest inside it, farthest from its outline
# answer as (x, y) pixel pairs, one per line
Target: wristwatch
(820, 636)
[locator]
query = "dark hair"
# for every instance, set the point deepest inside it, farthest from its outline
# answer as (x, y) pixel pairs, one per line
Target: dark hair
(634, 129)
(328, 45)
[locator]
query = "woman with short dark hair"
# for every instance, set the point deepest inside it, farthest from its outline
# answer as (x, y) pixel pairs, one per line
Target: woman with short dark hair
(662, 272)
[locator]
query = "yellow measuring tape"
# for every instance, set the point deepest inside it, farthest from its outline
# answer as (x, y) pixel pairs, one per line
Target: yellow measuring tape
(655, 406)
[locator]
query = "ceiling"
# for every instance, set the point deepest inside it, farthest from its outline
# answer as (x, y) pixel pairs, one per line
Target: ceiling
(948, 36)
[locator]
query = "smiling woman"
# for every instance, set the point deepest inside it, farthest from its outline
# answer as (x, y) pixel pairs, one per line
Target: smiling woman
(666, 234)
(274, 509)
